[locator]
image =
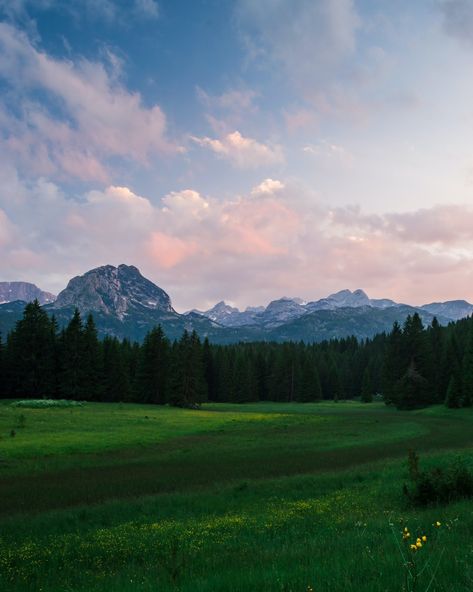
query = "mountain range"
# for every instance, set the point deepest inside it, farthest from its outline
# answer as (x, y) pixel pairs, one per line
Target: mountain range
(127, 305)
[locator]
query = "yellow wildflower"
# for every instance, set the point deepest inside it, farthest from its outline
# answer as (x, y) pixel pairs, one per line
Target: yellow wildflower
(413, 548)
(419, 544)
(424, 538)
(438, 524)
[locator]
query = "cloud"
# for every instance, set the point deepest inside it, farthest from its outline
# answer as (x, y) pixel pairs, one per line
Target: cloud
(100, 118)
(242, 152)
(267, 187)
(147, 8)
(329, 152)
(458, 19)
(232, 100)
(250, 248)
(309, 39)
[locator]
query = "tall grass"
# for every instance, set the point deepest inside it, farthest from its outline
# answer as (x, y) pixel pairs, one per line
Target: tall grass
(270, 504)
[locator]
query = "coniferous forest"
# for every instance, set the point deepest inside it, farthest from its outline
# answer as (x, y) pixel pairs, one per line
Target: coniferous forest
(413, 366)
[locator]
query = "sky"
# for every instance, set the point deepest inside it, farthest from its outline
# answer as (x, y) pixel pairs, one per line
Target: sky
(240, 150)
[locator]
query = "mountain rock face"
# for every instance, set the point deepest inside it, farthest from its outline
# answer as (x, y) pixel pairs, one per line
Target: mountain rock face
(453, 309)
(11, 291)
(116, 291)
(221, 313)
(283, 310)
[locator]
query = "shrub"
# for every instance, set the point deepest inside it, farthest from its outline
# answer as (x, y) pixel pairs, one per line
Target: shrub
(439, 485)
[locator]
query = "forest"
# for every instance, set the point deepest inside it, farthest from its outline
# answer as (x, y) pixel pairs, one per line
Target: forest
(410, 367)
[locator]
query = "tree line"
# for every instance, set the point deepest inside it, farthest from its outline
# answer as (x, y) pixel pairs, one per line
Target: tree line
(411, 366)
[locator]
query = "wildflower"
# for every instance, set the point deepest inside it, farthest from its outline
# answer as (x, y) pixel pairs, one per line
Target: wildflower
(424, 538)
(419, 544)
(413, 548)
(438, 524)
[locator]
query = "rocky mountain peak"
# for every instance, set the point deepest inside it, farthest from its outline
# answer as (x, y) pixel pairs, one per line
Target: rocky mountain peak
(12, 291)
(349, 298)
(113, 290)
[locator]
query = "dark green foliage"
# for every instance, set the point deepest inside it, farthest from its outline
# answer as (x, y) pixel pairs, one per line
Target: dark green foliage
(152, 373)
(367, 387)
(454, 395)
(30, 355)
(92, 361)
(439, 485)
(467, 366)
(188, 386)
(72, 353)
(116, 385)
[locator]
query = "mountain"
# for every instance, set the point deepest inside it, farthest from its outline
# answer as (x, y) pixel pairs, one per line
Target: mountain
(11, 291)
(221, 313)
(453, 309)
(360, 321)
(127, 305)
(118, 291)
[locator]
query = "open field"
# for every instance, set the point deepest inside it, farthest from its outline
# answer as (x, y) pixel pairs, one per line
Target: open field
(231, 497)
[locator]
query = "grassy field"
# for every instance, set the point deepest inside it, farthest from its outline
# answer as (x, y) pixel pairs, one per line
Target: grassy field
(270, 497)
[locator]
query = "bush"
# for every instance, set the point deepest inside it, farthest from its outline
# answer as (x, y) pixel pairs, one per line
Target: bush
(46, 403)
(440, 485)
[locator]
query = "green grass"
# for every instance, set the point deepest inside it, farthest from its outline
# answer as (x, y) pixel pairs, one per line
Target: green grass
(252, 497)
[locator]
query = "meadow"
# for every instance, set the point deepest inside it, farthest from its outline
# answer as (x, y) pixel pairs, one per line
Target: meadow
(264, 497)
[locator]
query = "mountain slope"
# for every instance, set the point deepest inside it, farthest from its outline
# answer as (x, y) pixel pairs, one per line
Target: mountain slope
(12, 291)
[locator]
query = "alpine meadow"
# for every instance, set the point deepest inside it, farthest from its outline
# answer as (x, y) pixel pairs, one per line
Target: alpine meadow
(236, 296)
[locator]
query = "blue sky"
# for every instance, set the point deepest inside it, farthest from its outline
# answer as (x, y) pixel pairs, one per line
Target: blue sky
(240, 150)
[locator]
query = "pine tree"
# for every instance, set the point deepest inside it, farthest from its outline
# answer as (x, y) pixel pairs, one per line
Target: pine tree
(116, 379)
(453, 398)
(418, 372)
(91, 360)
(3, 378)
(152, 372)
(209, 370)
(393, 366)
(188, 385)
(435, 336)
(310, 389)
(31, 354)
(72, 380)
(366, 387)
(467, 367)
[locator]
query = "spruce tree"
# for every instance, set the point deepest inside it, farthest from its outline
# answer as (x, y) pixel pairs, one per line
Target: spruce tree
(310, 389)
(31, 358)
(451, 365)
(393, 366)
(152, 372)
(116, 380)
(72, 380)
(91, 361)
(454, 396)
(188, 386)
(367, 387)
(467, 369)
(3, 378)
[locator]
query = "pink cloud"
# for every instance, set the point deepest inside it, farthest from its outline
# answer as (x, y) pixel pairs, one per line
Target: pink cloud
(242, 152)
(168, 251)
(102, 118)
(277, 239)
